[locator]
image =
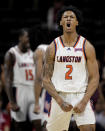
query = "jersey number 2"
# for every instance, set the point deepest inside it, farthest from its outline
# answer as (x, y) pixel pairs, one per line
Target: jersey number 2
(29, 74)
(67, 75)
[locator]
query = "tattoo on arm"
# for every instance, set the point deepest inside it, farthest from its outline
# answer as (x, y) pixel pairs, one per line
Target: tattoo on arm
(48, 72)
(49, 64)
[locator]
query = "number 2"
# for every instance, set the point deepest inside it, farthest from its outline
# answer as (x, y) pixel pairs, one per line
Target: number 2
(29, 75)
(67, 75)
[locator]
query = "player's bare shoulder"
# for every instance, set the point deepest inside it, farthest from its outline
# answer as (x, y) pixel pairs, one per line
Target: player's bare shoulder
(9, 58)
(50, 53)
(38, 53)
(90, 50)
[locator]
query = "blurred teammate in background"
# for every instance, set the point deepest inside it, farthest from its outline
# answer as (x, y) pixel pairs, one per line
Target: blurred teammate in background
(42, 98)
(19, 74)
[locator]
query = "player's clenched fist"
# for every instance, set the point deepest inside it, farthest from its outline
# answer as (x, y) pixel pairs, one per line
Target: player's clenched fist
(80, 107)
(14, 107)
(66, 106)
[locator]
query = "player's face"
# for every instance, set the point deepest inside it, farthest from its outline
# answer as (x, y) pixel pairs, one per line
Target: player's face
(25, 41)
(69, 21)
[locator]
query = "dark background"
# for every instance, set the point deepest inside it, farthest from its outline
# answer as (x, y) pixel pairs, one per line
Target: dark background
(16, 14)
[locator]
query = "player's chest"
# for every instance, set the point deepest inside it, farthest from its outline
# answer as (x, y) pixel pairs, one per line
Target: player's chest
(69, 51)
(24, 61)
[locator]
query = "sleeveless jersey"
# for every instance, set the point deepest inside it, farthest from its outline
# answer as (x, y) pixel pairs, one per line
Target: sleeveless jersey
(24, 68)
(70, 71)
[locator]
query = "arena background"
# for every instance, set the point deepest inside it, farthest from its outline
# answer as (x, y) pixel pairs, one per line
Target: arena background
(33, 14)
(16, 14)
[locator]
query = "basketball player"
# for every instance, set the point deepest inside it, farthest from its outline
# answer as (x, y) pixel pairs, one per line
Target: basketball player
(40, 102)
(19, 79)
(71, 75)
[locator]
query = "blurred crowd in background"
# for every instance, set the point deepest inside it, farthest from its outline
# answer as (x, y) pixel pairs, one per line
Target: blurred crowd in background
(39, 17)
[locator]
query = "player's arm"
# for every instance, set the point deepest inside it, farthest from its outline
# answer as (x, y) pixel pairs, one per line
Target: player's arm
(38, 60)
(48, 72)
(93, 72)
(8, 75)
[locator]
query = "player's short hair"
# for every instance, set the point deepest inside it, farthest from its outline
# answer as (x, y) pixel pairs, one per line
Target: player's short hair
(22, 31)
(77, 12)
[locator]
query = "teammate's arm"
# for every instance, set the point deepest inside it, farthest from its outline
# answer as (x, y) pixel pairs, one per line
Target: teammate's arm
(48, 72)
(92, 66)
(8, 75)
(38, 60)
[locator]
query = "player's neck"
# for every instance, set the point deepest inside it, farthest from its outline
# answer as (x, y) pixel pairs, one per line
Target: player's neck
(69, 39)
(22, 50)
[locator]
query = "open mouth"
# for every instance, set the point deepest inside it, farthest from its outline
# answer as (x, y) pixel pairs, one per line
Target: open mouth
(68, 25)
